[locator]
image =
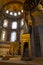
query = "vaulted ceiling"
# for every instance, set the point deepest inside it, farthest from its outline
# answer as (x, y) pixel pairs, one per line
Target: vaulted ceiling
(15, 6)
(12, 4)
(5, 1)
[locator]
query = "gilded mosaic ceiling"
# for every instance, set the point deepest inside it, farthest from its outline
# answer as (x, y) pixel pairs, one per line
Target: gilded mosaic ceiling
(15, 5)
(12, 6)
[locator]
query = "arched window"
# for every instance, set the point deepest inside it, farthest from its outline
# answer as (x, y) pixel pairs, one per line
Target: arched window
(3, 35)
(13, 36)
(14, 25)
(5, 24)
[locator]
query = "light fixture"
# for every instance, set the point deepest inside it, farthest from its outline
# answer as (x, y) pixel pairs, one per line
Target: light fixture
(19, 13)
(22, 11)
(15, 14)
(7, 11)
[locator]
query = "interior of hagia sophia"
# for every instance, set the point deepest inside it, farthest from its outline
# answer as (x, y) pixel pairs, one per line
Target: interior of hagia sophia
(21, 28)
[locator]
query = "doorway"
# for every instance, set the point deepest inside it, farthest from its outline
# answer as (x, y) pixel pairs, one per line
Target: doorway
(25, 51)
